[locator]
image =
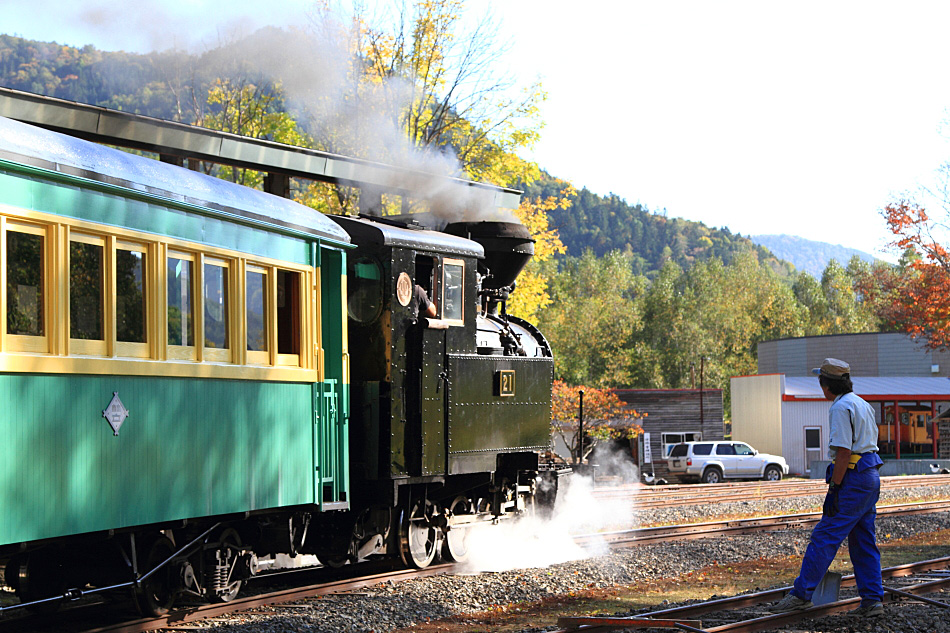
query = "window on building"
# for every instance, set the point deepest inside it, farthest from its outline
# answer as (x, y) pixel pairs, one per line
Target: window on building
(669, 440)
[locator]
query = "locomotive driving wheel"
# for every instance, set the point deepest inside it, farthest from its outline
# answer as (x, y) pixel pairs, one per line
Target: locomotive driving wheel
(455, 546)
(419, 538)
(155, 596)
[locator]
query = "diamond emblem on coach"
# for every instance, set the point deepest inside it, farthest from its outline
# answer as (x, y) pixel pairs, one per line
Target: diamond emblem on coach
(115, 413)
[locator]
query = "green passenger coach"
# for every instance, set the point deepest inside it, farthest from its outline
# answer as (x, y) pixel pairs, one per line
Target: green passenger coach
(173, 355)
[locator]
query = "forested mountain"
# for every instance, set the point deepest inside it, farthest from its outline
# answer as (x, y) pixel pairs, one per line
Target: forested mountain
(603, 224)
(807, 255)
(171, 85)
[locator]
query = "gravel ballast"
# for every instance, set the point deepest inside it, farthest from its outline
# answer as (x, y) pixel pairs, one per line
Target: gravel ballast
(399, 605)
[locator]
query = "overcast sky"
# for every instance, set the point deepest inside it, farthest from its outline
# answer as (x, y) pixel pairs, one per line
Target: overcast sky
(801, 117)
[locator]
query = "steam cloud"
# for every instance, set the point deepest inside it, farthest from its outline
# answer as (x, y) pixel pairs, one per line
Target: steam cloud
(315, 67)
(534, 542)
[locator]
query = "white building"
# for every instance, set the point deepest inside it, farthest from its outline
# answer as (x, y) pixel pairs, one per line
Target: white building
(788, 416)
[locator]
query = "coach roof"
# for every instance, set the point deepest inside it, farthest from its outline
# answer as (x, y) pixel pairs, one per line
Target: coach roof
(37, 147)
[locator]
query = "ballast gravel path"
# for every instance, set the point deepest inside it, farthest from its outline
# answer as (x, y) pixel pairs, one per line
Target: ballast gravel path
(393, 606)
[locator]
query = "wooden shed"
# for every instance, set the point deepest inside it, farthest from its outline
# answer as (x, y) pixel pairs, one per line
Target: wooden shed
(674, 416)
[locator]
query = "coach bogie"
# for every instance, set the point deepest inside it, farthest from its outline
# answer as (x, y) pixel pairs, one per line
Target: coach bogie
(226, 567)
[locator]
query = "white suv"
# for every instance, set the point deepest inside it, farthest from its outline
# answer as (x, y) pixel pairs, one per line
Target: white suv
(711, 462)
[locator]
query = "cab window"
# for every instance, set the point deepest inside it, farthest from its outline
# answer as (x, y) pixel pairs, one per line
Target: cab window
(453, 275)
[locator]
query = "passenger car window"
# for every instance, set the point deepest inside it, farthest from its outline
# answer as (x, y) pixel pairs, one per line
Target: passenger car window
(702, 449)
(744, 449)
(725, 449)
(130, 295)
(25, 283)
(679, 450)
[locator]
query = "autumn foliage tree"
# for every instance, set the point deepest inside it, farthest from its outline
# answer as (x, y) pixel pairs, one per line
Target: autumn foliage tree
(605, 418)
(914, 296)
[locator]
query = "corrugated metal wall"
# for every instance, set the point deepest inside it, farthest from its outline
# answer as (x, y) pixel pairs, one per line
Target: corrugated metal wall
(796, 417)
(870, 354)
(757, 411)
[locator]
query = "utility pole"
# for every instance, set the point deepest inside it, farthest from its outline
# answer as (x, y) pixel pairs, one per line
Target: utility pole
(580, 425)
(702, 363)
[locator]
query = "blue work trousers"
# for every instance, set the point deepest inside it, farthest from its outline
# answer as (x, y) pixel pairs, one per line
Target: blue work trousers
(857, 498)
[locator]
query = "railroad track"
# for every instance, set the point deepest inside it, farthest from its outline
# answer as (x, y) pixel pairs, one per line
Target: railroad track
(747, 613)
(640, 536)
(101, 616)
(89, 618)
(664, 496)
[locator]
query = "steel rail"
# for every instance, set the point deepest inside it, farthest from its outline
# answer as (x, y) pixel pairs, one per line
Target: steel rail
(639, 536)
(651, 496)
(195, 613)
(774, 621)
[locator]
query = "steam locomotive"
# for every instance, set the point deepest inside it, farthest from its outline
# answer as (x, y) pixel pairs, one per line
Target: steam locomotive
(200, 376)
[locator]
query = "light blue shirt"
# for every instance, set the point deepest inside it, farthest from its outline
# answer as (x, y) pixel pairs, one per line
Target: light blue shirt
(845, 410)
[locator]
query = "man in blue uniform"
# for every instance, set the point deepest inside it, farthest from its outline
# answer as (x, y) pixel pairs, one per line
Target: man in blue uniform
(853, 490)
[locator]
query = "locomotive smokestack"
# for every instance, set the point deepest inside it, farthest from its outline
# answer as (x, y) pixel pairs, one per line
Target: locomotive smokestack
(508, 247)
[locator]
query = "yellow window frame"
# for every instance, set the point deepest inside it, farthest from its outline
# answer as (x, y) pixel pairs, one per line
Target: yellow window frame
(133, 349)
(260, 357)
(90, 347)
(182, 352)
(218, 354)
(24, 342)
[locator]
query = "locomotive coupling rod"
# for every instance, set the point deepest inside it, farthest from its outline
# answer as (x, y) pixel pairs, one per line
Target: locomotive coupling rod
(177, 553)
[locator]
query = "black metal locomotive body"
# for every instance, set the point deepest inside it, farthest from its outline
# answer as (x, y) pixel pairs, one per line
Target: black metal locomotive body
(448, 414)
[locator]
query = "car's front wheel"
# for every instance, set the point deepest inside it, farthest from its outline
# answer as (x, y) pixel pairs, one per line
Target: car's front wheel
(712, 476)
(772, 473)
